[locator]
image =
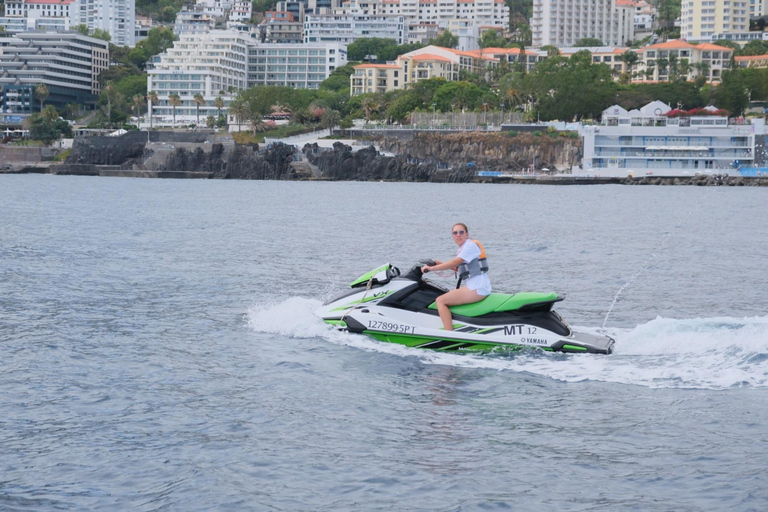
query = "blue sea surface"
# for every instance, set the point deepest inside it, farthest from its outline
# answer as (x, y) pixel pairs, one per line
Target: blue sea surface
(158, 349)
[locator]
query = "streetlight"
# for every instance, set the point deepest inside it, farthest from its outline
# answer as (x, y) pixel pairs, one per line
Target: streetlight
(485, 110)
(453, 114)
(434, 113)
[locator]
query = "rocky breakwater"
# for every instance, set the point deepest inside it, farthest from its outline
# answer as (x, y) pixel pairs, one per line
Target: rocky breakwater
(709, 180)
(340, 163)
(496, 151)
(243, 162)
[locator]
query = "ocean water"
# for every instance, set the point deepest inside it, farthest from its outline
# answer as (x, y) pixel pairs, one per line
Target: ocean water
(158, 350)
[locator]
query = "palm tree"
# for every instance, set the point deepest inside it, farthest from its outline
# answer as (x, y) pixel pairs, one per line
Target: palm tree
(174, 100)
(199, 102)
(240, 109)
(280, 108)
(369, 104)
(152, 100)
(330, 119)
(109, 91)
(49, 114)
(138, 102)
(629, 58)
(219, 104)
(258, 124)
(41, 91)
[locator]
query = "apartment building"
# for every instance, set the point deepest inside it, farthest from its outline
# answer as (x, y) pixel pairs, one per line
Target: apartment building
(299, 8)
(193, 21)
(441, 12)
(563, 22)
(418, 65)
(223, 62)
(68, 64)
(658, 61)
(280, 27)
(117, 17)
(700, 19)
(752, 61)
(348, 28)
(514, 57)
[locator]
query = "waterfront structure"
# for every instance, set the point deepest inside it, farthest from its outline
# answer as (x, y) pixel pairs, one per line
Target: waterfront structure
(223, 62)
(563, 22)
(422, 64)
(68, 64)
(646, 141)
(659, 62)
(117, 17)
(347, 28)
(700, 19)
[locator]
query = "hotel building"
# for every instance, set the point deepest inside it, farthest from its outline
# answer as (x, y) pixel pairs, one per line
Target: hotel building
(700, 19)
(223, 62)
(706, 58)
(418, 65)
(348, 28)
(68, 64)
(563, 22)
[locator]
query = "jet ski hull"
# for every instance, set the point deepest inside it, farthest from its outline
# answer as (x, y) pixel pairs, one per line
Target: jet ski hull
(401, 310)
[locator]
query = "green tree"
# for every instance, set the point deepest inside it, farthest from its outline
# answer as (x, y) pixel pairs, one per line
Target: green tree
(330, 119)
(219, 104)
(732, 93)
(42, 93)
(82, 29)
(755, 48)
(151, 101)
(102, 34)
(199, 102)
(571, 88)
(492, 39)
(174, 100)
(45, 129)
(338, 80)
(240, 109)
(138, 103)
(465, 95)
(445, 40)
(586, 42)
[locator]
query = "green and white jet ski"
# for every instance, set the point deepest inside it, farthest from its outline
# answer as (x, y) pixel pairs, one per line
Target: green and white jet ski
(401, 309)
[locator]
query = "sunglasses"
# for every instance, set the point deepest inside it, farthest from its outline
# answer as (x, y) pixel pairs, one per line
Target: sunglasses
(459, 232)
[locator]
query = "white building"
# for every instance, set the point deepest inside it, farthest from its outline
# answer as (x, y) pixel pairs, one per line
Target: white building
(347, 28)
(68, 64)
(193, 21)
(241, 10)
(212, 64)
(223, 62)
(117, 17)
(492, 13)
(301, 66)
(700, 19)
(646, 141)
(563, 22)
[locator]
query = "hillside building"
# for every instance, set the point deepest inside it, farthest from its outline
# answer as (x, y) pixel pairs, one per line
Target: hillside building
(701, 19)
(561, 23)
(68, 64)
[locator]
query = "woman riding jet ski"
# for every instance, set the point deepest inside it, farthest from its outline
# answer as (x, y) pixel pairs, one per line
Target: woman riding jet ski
(402, 309)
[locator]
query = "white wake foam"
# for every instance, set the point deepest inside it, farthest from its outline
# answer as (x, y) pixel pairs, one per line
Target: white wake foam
(707, 353)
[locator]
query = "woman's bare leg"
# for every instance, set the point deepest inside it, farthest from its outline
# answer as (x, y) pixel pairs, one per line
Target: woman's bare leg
(454, 298)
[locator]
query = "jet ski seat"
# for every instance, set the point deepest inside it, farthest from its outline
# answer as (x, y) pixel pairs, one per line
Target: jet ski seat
(500, 302)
